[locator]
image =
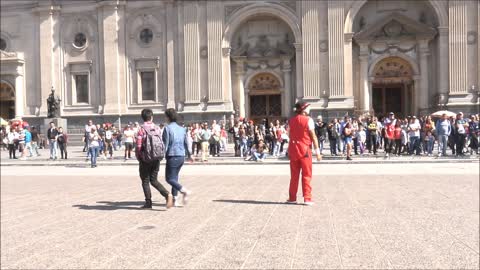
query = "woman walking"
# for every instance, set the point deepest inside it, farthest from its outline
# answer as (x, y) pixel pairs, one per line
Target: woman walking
(175, 141)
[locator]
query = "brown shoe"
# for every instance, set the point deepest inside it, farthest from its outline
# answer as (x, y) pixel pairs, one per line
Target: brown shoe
(169, 201)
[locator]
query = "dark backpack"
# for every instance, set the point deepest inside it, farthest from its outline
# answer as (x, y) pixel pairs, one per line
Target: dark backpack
(152, 145)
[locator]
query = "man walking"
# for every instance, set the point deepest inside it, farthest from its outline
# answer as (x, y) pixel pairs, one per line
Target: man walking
(149, 152)
(302, 134)
(443, 128)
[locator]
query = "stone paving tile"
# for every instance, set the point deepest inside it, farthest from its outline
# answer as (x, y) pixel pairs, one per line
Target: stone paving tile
(364, 222)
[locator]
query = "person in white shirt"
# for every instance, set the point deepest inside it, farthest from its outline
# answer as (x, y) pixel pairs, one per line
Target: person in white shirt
(414, 134)
(129, 135)
(109, 141)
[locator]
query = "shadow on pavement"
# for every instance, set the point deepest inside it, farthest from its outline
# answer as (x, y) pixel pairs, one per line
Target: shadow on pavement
(252, 202)
(110, 206)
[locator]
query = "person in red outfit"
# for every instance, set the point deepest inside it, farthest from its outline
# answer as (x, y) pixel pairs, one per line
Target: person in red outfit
(302, 134)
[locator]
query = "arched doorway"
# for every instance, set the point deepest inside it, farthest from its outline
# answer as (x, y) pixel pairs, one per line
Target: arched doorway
(392, 87)
(7, 100)
(265, 98)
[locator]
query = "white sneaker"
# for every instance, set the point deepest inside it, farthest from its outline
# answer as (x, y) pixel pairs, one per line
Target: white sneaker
(386, 155)
(185, 194)
(310, 203)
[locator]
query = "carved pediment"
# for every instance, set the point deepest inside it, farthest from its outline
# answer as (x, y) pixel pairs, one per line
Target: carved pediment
(395, 26)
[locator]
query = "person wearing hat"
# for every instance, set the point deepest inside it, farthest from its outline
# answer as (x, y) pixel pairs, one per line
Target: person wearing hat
(302, 134)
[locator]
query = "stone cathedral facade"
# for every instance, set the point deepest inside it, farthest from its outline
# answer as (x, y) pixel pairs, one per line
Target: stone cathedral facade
(255, 59)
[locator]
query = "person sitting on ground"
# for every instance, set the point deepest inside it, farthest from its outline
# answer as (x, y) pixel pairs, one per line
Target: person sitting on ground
(259, 151)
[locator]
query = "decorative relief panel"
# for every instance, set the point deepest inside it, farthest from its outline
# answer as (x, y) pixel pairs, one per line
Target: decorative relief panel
(264, 82)
(392, 70)
(78, 32)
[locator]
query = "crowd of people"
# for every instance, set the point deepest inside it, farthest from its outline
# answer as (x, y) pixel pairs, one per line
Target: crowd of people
(405, 136)
(256, 141)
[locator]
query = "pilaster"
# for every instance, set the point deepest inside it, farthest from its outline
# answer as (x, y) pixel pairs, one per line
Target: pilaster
(364, 82)
(214, 52)
(170, 29)
(113, 41)
(458, 92)
(457, 47)
(299, 68)
(336, 48)
(192, 54)
(49, 53)
(311, 45)
(422, 95)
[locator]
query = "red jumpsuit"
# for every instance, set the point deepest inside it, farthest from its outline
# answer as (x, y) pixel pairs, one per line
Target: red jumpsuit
(300, 154)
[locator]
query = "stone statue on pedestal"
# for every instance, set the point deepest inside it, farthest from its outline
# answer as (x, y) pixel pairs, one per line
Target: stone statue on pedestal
(53, 104)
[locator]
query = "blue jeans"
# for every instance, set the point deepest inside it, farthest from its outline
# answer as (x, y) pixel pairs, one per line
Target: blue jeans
(442, 144)
(172, 169)
(414, 145)
(259, 156)
(53, 149)
(93, 150)
(243, 147)
(430, 144)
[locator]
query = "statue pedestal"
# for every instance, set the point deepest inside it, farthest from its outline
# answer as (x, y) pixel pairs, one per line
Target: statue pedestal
(59, 122)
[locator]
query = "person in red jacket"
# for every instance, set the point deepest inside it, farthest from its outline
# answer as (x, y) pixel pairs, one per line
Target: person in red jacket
(302, 134)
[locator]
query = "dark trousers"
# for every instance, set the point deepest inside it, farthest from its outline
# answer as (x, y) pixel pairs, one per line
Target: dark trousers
(355, 146)
(63, 149)
(333, 146)
(11, 150)
(197, 146)
(398, 146)
(214, 148)
(373, 142)
(388, 145)
(460, 143)
(149, 175)
(174, 164)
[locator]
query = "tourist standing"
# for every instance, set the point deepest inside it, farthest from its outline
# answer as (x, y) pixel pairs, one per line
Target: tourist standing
(129, 137)
(11, 137)
(204, 138)
(389, 125)
(321, 132)
(347, 138)
(301, 133)
(149, 150)
(443, 128)
(94, 146)
(62, 140)
(460, 134)
(35, 142)
(414, 135)
(52, 140)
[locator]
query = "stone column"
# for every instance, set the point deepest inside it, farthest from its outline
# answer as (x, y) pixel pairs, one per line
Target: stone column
(49, 52)
(299, 68)
(170, 29)
(113, 38)
(214, 40)
(241, 93)
(311, 45)
(423, 89)
(192, 53)
(457, 25)
(364, 83)
(19, 93)
(287, 94)
(443, 64)
(336, 48)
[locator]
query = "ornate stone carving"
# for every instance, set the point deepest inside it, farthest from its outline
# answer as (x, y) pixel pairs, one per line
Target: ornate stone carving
(230, 9)
(393, 70)
(264, 81)
(263, 48)
(53, 104)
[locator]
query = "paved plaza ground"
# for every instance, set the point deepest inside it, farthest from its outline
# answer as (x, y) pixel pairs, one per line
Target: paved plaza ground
(366, 216)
